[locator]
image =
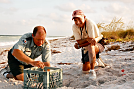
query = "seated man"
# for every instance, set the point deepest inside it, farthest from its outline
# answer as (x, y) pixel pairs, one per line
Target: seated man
(87, 35)
(23, 53)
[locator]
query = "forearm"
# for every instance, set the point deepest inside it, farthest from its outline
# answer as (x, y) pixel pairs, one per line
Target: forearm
(82, 41)
(87, 41)
(21, 56)
(84, 45)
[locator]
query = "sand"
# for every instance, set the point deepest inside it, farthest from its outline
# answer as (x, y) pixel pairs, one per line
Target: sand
(120, 74)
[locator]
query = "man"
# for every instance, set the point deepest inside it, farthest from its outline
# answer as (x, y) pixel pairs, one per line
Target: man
(87, 35)
(23, 53)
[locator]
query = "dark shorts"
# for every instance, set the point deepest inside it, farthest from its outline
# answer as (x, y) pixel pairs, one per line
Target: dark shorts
(85, 57)
(15, 66)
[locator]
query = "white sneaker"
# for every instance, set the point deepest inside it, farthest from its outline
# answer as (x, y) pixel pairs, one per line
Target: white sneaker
(92, 75)
(3, 71)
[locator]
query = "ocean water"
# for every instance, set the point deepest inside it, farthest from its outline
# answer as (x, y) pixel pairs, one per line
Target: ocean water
(8, 40)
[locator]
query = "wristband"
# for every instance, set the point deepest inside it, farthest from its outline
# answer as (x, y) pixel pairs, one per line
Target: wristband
(78, 46)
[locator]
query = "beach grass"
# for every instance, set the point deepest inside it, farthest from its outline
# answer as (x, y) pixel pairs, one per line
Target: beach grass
(119, 35)
(116, 31)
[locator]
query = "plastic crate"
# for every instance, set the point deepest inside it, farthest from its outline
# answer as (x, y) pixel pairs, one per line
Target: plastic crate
(37, 78)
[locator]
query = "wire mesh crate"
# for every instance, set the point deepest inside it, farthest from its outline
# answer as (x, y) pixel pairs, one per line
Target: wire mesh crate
(37, 78)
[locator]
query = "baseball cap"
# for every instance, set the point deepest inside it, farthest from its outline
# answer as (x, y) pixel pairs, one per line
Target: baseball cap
(77, 13)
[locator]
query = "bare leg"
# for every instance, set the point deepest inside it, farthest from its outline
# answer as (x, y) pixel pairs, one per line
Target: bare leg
(92, 55)
(86, 66)
(92, 51)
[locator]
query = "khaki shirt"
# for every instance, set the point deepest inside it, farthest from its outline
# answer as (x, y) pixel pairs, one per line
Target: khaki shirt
(91, 28)
(27, 46)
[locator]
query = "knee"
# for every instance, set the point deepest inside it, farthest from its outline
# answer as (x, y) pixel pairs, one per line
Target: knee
(92, 54)
(91, 48)
(20, 77)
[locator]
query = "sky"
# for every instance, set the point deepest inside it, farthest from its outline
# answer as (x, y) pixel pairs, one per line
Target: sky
(18, 17)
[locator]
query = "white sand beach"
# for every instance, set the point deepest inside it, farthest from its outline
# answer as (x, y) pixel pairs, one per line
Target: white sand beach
(120, 74)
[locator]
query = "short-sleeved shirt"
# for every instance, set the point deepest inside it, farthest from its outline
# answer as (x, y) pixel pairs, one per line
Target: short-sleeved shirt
(27, 46)
(90, 31)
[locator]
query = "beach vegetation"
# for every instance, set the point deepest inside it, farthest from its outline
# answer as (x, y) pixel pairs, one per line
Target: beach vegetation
(116, 31)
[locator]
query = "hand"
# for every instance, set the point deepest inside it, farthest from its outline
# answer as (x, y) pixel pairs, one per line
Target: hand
(92, 41)
(76, 46)
(38, 64)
